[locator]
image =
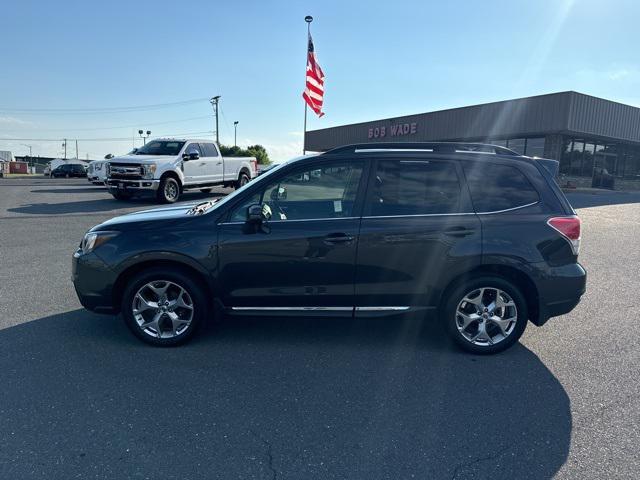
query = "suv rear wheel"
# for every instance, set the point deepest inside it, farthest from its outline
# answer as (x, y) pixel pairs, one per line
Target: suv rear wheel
(163, 307)
(485, 315)
(168, 191)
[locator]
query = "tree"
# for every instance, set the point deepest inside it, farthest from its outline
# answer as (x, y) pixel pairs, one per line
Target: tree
(257, 151)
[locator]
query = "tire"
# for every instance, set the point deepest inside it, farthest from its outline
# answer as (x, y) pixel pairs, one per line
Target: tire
(502, 327)
(168, 191)
(243, 179)
(190, 316)
(120, 195)
(206, 190)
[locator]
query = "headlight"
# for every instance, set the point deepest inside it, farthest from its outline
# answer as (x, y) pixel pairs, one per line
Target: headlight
(148, 170)
(93, 240)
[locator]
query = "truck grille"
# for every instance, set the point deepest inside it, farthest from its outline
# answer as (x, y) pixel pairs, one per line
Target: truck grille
(125, 171)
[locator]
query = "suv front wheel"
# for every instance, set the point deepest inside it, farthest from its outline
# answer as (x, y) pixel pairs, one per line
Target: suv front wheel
(485, 315)
(163, 307)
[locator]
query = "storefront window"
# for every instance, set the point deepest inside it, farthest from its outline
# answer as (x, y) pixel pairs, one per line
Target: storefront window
(576, 157)
(587, 159)
(500, 143)
(565, 157)
(517, 145)
(535, 147)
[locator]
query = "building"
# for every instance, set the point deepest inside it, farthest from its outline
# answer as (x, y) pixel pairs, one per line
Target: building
(584, 133)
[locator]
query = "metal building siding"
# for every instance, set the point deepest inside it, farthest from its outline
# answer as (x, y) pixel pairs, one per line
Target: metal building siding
(568, 113)
(525, 116)
(602, 118)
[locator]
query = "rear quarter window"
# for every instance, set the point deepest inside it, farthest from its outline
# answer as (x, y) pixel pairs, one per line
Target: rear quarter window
(496, 187)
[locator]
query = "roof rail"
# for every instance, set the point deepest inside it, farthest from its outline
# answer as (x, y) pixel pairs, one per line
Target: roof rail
(439, 147)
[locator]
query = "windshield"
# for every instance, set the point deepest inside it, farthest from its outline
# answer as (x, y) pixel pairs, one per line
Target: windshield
(161, 147)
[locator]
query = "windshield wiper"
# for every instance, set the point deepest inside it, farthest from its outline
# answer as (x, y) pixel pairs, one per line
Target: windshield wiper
(201, 207)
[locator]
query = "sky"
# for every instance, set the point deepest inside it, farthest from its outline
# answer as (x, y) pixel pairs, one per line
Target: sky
(380, 58)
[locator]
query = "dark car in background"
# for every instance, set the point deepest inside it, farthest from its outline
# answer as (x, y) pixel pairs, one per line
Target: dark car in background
(69, 170)
(477, 236)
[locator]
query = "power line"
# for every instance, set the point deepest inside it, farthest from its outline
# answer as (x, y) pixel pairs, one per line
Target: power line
(137, 125)
(90, 110)
(103, 139)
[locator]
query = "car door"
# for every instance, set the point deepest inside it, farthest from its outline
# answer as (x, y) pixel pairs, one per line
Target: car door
(418, 231)
(303, 258)
(214, 161)
(195, 169)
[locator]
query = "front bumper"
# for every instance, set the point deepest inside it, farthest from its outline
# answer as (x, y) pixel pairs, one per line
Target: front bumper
(93, 281)
(117, 184)
(560, 290)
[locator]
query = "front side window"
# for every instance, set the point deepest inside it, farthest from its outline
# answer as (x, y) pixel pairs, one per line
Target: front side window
(496, 187)
(193, 148)
(306, 194)
(415, 188)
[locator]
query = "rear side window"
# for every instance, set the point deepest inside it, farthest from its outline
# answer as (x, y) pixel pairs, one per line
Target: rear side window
(496, 187)
(208, 150)
(410, 187)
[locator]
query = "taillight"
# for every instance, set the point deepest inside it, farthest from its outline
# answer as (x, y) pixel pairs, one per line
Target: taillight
(569, 228)
(254, 163)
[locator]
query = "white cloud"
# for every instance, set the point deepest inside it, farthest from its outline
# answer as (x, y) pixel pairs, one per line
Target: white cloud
(4, 120)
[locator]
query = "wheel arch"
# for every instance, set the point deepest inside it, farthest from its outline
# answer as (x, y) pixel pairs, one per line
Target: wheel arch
(171, 173)
(183, 265)
(244, 170)
(515, 275)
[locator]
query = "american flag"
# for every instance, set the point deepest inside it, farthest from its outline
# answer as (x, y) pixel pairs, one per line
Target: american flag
(314, 92)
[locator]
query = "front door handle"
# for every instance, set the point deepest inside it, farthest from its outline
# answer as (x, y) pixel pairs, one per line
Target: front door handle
(334, 238)
(458, 231)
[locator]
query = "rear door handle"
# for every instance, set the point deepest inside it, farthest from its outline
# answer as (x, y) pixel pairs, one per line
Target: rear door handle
(458, 231)
(334, 238)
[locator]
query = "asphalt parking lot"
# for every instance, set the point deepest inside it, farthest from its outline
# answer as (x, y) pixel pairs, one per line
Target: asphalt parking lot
(385, 398)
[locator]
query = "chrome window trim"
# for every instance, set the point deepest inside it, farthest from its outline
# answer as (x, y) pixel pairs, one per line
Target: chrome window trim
(510, 209)
(297, 220)
(454, 214)
(382, 309)
(295, 309)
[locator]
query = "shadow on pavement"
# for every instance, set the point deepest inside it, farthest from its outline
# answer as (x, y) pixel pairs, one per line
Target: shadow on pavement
(102, 204)
(93, 189)
(601, 198)
(256, 398)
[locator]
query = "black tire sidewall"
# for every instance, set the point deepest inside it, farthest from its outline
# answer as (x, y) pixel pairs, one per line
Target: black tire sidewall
(161, 196)
(456, 294)
(239, 182)
(174, 275)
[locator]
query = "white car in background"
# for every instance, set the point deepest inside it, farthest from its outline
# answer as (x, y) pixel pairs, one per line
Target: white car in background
(97, 172)
(166, 167)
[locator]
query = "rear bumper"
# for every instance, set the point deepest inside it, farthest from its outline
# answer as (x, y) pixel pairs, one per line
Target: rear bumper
(93, 282)
(560, 290)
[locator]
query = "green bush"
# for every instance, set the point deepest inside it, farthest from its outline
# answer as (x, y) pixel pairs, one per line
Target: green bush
(257, 151)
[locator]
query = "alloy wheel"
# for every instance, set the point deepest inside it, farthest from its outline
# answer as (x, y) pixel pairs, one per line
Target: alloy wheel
(170, 190)
(486, 316)
(163, 309)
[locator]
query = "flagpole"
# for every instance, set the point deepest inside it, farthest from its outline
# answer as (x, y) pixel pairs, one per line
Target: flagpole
(307, 19)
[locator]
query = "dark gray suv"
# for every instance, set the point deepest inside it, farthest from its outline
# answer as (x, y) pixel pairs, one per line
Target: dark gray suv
(477, 235)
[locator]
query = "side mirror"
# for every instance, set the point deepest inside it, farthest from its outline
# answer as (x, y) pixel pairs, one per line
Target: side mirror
(254, 213)
(108, 156)
(190, 156)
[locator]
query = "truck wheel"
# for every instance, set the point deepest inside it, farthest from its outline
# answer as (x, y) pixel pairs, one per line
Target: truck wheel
(163, 307)
(121, 195)
(243, 179)
(206, 190)
(485, 314)
(168, 191)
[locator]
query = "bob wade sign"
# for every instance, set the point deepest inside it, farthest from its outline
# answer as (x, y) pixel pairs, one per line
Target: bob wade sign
(397, 130)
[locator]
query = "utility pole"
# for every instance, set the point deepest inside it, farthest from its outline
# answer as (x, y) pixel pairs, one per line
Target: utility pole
(214, 103)
(77, 149)
(64, 144)
(235, 133)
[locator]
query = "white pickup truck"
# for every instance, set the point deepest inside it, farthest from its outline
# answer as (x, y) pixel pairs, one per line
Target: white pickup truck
(168, 166)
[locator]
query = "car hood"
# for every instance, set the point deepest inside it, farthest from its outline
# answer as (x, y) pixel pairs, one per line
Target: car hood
(137, 159)
(152, 216)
